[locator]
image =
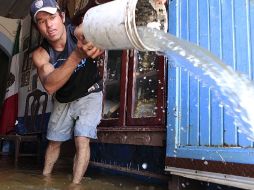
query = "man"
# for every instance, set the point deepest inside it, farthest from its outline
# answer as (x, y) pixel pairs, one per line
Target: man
(65, 66)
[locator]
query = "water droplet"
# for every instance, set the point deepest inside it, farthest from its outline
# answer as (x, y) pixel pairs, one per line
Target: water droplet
(183, 185)
(144, 166)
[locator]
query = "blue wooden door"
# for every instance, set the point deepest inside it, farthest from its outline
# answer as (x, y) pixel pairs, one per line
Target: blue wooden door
(198, 127)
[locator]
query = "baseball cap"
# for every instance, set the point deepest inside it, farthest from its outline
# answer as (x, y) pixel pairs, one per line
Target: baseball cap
(49, 6)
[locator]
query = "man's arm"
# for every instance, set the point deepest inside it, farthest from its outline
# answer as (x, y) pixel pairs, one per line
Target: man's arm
(52, 78)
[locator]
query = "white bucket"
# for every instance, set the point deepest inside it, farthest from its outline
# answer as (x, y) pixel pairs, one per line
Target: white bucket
(113, 25)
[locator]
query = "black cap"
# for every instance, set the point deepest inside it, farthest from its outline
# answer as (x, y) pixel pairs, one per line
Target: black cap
(49, 6)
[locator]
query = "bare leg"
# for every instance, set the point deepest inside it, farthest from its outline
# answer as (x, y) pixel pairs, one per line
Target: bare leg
(81, 158)
(52, 154)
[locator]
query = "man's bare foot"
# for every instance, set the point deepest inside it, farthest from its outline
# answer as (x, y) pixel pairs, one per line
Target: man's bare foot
(74, 186)
(47, 179)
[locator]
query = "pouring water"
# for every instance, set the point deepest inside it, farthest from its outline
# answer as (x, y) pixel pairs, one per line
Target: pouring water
(234, 89)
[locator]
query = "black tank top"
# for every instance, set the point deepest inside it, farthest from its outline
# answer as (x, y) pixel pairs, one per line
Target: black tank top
(85, 75)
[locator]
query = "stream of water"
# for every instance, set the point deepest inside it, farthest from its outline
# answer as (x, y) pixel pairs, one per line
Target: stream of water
(233, 89)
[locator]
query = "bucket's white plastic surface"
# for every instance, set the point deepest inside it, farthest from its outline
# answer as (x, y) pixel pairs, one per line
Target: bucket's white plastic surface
(112, 26)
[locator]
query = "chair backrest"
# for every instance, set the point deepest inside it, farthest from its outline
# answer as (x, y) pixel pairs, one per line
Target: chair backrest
(33, 123)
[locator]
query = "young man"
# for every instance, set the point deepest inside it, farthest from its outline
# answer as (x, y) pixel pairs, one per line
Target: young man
(66, 69)
(65, 66)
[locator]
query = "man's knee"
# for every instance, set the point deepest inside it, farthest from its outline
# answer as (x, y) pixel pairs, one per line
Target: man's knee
(54, 145)
(82, 143)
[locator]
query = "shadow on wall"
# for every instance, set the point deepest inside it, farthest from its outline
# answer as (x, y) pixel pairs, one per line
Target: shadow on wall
(4, 73)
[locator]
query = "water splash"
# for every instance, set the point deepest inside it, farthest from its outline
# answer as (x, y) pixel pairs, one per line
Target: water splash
(234, 89)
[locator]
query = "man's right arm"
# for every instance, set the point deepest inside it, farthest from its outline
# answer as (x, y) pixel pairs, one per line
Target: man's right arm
(52, 78)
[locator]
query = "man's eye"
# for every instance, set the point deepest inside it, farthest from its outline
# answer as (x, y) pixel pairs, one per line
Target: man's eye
(40, 22)
(52, 17)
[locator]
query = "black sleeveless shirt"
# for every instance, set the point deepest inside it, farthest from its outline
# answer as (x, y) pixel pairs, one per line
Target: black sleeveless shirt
(84, 76)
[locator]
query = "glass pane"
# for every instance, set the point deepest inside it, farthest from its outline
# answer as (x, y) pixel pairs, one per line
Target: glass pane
(111, 102)
(146, 84)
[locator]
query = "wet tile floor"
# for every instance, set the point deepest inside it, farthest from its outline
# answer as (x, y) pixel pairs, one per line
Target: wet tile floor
(27, 176)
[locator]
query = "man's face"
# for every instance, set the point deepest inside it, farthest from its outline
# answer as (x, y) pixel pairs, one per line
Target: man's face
(51, 26)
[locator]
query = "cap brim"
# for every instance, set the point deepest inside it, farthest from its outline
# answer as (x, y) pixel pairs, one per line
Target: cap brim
(51, 10)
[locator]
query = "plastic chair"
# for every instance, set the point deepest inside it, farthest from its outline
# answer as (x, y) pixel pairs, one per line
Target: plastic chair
(33, 124)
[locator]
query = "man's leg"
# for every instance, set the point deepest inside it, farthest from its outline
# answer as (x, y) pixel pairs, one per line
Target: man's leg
(81, 158)
(51, 156)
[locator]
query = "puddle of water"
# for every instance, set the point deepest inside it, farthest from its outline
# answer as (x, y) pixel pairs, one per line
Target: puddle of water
(28, 177)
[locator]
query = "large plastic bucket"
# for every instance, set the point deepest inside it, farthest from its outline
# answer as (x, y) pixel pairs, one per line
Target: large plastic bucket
(113, 25)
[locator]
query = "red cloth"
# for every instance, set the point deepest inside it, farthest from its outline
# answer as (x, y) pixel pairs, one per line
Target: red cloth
(9, 114)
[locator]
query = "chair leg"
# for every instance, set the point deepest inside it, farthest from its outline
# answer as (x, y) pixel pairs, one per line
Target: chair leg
(17, 146)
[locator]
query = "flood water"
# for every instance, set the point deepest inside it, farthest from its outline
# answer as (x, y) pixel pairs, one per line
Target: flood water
(28, 176)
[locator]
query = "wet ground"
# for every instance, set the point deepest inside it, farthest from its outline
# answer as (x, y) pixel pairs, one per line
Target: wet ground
(27, 175)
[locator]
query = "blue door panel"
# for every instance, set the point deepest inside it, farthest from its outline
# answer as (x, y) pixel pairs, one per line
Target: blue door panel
(198, 124)
(184, 95)
(204, 36)
(184, 104)
(228, 44)
(194, 84)
(241, 36)
(242, 46)
(194, 111)
(193, 15)
(205, 126)
(250, 15)
(184, 27)
(215, 47)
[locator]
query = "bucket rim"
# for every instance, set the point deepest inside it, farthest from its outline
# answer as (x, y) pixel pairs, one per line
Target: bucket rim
(131, 27)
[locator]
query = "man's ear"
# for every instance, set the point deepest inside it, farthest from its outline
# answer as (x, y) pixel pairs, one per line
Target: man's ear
(63, 16)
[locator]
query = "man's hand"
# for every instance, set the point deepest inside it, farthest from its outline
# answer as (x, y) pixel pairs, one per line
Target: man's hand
(85, 49)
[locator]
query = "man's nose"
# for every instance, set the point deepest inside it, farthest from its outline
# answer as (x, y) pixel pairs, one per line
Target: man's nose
(49, 23)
